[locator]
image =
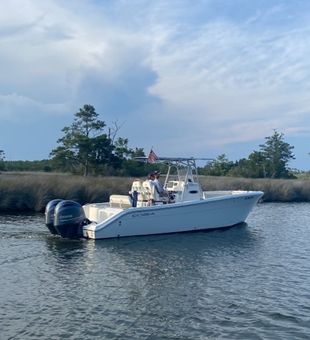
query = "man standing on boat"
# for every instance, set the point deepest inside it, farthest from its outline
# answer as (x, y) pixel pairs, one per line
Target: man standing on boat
(159, 188)
(159, 194)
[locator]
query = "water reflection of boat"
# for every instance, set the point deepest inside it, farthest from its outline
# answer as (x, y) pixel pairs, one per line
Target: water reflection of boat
(183, 207)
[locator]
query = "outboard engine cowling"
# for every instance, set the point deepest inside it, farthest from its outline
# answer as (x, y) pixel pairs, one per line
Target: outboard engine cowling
(69, 219)
(49, 215)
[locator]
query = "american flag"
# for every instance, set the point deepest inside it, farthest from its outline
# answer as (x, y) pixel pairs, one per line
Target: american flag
(152, 158)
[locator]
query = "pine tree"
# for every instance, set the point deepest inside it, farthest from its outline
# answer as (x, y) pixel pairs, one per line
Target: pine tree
(276, 154)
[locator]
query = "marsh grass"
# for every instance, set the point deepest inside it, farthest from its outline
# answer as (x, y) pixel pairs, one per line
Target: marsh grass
(32, 191)
(275, 190)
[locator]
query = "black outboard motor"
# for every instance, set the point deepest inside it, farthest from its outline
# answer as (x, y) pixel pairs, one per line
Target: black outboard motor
(49, 215)
(69, 219)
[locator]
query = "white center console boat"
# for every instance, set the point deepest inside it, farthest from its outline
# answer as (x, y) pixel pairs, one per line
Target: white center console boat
(182, 207)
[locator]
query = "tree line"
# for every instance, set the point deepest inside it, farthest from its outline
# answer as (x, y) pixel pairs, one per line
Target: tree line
(89, 147)
(270, 161)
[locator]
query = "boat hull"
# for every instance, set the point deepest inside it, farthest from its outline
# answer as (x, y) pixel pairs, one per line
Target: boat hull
(213, 213)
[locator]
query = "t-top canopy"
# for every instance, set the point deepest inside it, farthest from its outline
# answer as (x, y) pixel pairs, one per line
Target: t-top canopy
(173, 159)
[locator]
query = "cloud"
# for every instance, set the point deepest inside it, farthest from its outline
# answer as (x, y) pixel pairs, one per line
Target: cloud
(51, 54)
(230, 79)
(29, 108)
(198, 74)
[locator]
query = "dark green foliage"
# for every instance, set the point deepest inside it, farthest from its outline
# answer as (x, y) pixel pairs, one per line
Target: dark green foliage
(2, 157)
(84, 144)
(253, 167)
(121, 149)
(86, 148)
(271, 161)
(219, 167)
(276, 154)
(44, 165)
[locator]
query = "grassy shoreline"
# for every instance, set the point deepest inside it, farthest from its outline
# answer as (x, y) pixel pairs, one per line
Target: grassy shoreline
(30, 192)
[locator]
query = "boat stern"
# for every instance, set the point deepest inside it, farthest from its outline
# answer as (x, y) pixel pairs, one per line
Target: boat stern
(89, 231)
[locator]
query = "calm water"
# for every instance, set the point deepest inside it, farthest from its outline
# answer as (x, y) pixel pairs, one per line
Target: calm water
(248, 282)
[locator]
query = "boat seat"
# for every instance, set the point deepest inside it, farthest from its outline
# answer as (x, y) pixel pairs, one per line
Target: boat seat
(122, 201)
(138, 187)
(151, 192)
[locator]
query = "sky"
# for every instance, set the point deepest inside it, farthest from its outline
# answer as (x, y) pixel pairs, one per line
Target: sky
(184, 77)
